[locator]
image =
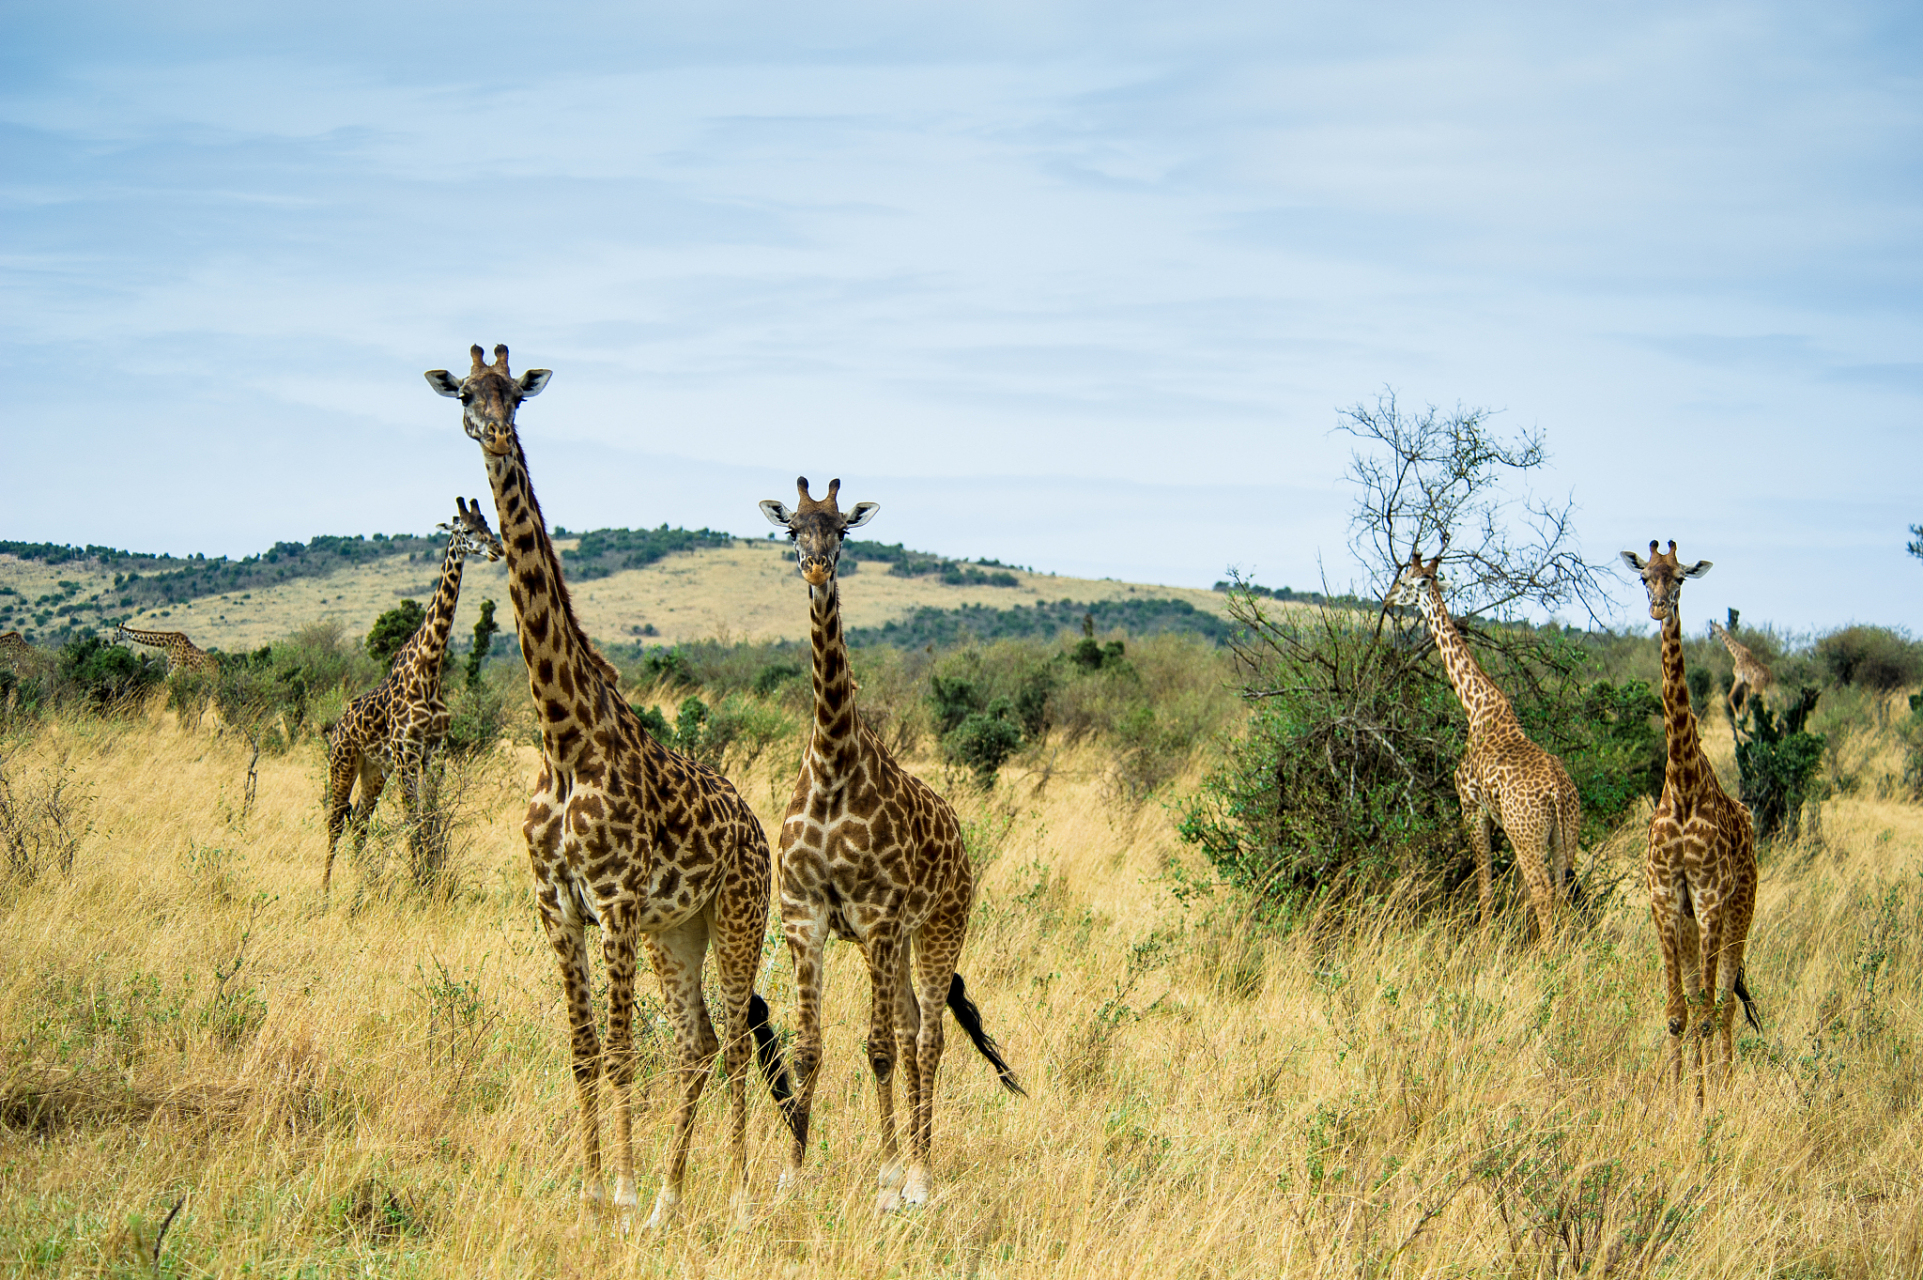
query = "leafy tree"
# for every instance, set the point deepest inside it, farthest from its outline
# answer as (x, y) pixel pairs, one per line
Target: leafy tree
(105, 674)
(1778, 763)
(392, 630)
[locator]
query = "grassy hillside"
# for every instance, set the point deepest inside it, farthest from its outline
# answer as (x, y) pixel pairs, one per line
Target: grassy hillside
(384, 1090)
(665, 586)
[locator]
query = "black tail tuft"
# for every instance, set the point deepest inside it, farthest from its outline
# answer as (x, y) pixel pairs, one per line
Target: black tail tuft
(768, 1052)
(970, 1020)
(1749, 1005)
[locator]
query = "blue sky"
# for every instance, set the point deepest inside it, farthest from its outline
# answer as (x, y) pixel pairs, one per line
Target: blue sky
(1081, 287)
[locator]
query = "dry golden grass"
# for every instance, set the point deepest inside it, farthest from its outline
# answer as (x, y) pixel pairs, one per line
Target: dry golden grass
(744, 592)
(384, 1090)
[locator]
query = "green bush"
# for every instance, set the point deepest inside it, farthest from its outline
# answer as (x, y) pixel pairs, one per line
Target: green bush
(106, 676)
(392, 630)
(1878, 658)
(983, 740)
(1778, 763)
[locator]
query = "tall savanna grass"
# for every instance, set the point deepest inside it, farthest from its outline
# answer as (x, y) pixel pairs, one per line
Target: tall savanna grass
(384, 1089)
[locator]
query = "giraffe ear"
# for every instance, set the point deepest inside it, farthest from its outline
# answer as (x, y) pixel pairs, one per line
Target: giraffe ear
(1697, 570)
(778, 515)
(444, 383)
(1635, 561)
(531, 383)
(861, 515)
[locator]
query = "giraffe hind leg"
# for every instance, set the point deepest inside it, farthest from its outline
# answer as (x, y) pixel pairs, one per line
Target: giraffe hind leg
(678, 953)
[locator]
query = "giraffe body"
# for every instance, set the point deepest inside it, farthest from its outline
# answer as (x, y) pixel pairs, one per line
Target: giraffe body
(181, 652)
(1752, 677)
(1504, 778)
(395, 727)
(871, 855)
(657, 849)
(14, 649)
(1701, 857)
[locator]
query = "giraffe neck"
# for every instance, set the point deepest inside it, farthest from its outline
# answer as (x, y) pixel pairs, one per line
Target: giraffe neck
(566, 677)
(1687, 764)
(427, 649)
(833, 745)
(1481, 700)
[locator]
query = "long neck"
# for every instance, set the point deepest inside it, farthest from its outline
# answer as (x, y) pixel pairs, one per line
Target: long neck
(429, 644)
(1481, 700)
(1686, 758)
(833, 746)
(153, 637)
(566, 677)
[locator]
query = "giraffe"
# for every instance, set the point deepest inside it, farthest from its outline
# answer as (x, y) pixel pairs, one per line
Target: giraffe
(181, 652)
(1752, 676)
(1504, 778)
(626, 834)
(15, 650)
(872, 855)
(1701, 864)
(396, 726)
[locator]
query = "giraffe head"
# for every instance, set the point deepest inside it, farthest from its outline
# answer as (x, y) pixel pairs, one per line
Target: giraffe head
(1415, 577)
(816, 529)
(1662, 576)
(489, 395)
(468, 533)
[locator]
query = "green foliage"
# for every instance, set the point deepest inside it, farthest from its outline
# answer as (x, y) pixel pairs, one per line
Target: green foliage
(983, 740)
(485, 628)
(945, 628)
(743, 726)
(392, 630)
(276, 690)
(654, 722)
(1625, 752)
(1878, 658)
(903, 563)
(106, 676)
(1779, 763)
(1699, 681)
(605, 551)
(477, 717)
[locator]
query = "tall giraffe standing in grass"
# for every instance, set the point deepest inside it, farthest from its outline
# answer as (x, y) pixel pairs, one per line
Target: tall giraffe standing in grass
(624, 833)
(1701, 862)
(870, 854)
(1504, 778)
(14, 649)
(181, 652)
(396, 726)
(1752, 677)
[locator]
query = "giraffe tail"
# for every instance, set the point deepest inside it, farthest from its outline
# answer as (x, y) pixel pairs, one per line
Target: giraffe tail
(768, 1053)
(970, 1020)
(1749, 1005)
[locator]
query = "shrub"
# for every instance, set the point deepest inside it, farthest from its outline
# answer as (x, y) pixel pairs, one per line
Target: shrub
(983, 740)
(1778, 763)
(105, 675)
(1877, 658)
(485, 629)
(392, 630)
(42, 820)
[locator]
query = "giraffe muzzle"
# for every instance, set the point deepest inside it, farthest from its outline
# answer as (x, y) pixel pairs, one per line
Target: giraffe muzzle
(814, 572)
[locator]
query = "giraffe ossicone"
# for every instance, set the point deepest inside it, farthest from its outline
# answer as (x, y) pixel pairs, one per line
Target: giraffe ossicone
(395, 727)
(872, 855)
(1700, 861)
(655, 848)
(1503, 778)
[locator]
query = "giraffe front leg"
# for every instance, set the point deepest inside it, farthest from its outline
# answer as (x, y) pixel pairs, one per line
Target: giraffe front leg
(1480, 840)
(806, 933)
(678, 954)
(887, 961)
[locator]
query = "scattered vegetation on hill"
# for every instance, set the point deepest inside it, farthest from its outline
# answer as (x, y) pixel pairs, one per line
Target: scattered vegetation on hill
(981, 624)
(602, 552)
(903, 563)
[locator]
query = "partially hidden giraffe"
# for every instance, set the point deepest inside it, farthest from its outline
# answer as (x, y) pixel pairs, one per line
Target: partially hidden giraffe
(870, 854)
(395, 727)
(1752, 677)
(652, 846)
(1504, 778)
(181, 652)
(15, 650)
(1701, 863)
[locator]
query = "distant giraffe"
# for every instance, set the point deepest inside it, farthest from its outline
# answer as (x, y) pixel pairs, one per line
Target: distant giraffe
(1701, 863)
(396, 726)
(181, 652)
(14, 649)
(1504, 778)
(624, 833)
(870, 854)
(1752, 675)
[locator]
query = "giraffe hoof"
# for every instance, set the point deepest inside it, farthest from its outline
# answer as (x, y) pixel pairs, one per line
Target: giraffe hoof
(915, 1192)
(666, 1205)
(887, 1200)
